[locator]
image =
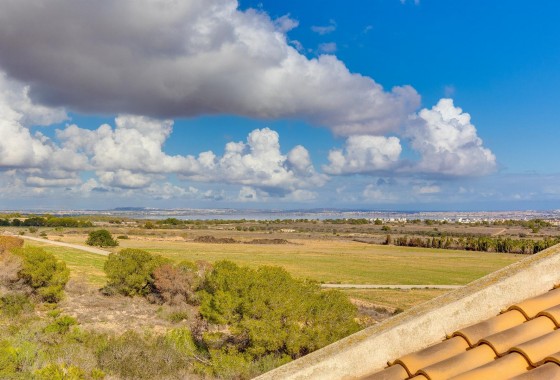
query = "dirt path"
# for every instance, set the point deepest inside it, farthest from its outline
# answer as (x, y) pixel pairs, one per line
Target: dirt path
(499, 232)
(59, 243)
(403, 287)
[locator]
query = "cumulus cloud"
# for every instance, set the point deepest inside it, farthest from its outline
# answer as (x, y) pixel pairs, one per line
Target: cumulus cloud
(18, 146)
(131, 154)
(364, 154)
(448, 143)
(207, 57)
(258, 163)
(135, 145)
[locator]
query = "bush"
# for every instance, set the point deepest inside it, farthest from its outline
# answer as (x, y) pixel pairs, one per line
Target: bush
(131, 271)
(8, 360)
(270, 313)
(14, 304)
(61, 325)
(43, 273)
(60, 372)
(7, 243)
(11, 265)
(177, 285)
(132, 357)
(101, 238)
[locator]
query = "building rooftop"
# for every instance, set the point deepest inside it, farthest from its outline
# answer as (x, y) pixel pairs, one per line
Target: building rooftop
(523, 342)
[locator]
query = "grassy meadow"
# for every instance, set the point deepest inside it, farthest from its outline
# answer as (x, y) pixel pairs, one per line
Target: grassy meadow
(327, 261)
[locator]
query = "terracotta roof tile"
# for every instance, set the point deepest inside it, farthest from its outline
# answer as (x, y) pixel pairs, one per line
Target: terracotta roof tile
(536, 350)
(503, 341)
(522, 343)
(491, 326)
(394, 372)
(433, 354)
(555, 358)
(548, 371)
(552, 313)
(503, 368)
(468, 360)
(531, 307)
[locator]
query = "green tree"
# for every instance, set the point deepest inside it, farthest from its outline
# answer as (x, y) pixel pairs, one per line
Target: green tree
(131, 271)
(43, 273)
(101, 238)
(269, 313)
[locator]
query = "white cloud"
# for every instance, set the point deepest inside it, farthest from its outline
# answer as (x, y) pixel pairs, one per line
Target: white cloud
(285, 23)
(135, 144)
(427, 189)
(18, 146)
(328, 47)
(207, 57)
(448, 143)
(325, 29)
(374, 194)
(248, 194)
(364, 154)
(130, 155)
(258, 163)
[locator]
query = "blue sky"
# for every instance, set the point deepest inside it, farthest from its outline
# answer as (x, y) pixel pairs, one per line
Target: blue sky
(293, 88)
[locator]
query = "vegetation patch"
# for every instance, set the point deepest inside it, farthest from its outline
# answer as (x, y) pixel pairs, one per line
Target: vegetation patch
(268, 241)
(101, 238)
(215, 240)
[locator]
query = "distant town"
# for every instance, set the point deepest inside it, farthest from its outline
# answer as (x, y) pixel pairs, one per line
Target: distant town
(552, 216)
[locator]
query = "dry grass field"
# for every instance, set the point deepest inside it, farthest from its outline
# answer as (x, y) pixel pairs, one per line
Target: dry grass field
(329, 261)
(323, 260)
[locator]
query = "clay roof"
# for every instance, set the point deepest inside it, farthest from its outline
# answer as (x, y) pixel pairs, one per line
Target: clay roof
(522, 343)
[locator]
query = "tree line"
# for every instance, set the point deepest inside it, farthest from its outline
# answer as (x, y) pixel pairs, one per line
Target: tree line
(480, 244)
(51, 221)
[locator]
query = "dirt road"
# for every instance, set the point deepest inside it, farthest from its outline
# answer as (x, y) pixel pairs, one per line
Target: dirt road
(403, 287)
(59, 243)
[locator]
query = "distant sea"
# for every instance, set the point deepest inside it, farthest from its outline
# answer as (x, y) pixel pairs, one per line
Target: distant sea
(313, 214)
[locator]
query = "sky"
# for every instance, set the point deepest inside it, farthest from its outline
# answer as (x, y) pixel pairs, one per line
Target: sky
(381, 105)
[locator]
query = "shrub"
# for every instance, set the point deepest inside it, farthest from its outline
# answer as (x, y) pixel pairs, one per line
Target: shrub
(8, 360)
(11, 265)
(270, 313)
(131, 271)
(101, 238)
(131, 356)
(61, 325)
(60, 372)
(14, 304)
(7, 243)
(178, 316)
(43, 273)
(177, 285)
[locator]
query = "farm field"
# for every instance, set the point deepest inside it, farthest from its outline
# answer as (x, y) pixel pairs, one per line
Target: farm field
(333, 261)
(394, 298)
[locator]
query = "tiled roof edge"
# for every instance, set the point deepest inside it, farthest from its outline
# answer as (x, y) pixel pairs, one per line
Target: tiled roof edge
(369, 350)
